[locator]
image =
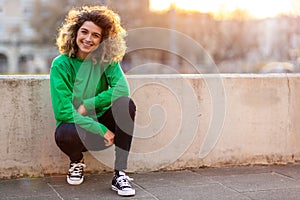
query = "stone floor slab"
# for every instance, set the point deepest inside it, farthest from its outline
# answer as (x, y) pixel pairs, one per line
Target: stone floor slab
(285, 194)
(230, 183)
(257, 182)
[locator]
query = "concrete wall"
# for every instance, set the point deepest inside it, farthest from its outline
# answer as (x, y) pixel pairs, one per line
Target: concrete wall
(182, 121)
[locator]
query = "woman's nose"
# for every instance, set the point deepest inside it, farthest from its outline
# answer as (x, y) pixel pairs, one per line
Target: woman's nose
(88, 37)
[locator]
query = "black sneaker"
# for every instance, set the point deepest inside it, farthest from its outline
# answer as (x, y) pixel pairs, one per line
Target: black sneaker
(75, 174)
(120, 183)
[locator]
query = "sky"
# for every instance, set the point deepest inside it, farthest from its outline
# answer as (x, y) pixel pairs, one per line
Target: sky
(256, 8)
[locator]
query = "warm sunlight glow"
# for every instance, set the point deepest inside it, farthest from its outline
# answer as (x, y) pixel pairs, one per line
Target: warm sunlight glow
(256, 8)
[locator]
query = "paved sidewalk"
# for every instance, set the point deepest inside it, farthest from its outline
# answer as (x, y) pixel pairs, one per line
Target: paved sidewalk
(252, 182)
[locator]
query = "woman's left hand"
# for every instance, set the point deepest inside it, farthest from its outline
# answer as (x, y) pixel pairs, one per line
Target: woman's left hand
(81, 110)
(109, 138)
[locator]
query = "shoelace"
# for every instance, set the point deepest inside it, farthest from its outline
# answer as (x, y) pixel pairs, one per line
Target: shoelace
(124, 181)
(76, 169)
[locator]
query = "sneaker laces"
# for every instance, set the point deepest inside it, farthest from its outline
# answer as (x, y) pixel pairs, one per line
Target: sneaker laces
(76, 169)
(124, 180)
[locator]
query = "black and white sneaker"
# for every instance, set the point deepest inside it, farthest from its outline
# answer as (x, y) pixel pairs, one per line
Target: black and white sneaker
(75, 174)
(120, 183)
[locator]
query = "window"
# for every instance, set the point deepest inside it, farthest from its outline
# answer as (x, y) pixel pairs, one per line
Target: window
(3, 63)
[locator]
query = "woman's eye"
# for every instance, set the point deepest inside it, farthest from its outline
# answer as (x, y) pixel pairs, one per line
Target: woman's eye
(97, 35)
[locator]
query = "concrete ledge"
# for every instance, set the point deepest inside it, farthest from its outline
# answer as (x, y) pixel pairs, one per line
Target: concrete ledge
(182, 121)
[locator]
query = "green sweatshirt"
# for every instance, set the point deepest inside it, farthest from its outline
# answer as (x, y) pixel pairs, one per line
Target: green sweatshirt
(74, 82)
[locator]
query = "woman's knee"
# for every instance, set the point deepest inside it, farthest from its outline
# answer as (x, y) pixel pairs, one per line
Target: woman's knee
(65, 133)
(126, 102)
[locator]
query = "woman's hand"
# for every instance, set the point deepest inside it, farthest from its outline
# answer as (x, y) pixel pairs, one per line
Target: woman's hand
(109, 138)
(81, 110)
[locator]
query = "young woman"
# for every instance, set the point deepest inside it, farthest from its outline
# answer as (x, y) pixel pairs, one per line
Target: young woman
(90, 94)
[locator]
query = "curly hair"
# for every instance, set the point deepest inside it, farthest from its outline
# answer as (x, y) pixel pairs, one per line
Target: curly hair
(112, 47)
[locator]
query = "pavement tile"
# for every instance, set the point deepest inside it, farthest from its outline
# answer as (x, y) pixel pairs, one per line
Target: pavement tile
(290, 170)
(172, 179)
(26, 188)
(284, 194)
(52, 197)
(184, 185)
(190, 192)
(257, 182)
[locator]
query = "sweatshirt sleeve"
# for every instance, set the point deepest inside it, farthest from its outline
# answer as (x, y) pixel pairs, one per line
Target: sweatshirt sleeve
(64, 111)
(118, 87)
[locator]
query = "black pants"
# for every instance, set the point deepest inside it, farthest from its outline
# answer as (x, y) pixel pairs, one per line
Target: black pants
(119, 119)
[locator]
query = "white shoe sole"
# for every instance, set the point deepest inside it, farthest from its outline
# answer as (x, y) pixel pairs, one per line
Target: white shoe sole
(123, 193)
(74, 182)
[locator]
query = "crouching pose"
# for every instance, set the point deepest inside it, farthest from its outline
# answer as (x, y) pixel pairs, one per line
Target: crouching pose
(90, 94)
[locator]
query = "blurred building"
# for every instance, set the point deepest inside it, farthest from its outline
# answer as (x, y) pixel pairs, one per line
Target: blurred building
(235, 46)
(19, 51)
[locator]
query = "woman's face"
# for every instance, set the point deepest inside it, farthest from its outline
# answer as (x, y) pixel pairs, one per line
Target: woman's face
(88, 39)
